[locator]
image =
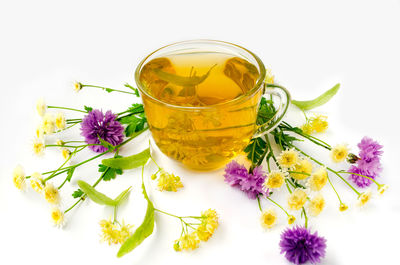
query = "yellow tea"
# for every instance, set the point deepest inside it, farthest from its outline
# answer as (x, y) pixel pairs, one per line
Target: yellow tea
(202, 119)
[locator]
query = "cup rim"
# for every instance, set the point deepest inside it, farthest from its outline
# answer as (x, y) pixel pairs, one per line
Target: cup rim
(242, 97)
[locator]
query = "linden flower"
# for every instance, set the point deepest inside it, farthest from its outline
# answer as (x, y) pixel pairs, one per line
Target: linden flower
(382, 189)
(57, 216)
(36, 182)
(19, 177)
(274, 180)
(77, 86)
(51, 194)
(291, 219)
(317, 204)
(169, 182)
(209, 222)
(38, 146)
(65, 153)
(319, 123)
(364, 197)
(288, 158)
(60, 121)
(188, 242)
(343, 207)
(304, 166)
(269, 77)
(268, 218)
(318, 179)
(110, 234)
(297, 199)
(41, 107)
(339, 153)
(48, 123)
(306, 128)
(124, 232)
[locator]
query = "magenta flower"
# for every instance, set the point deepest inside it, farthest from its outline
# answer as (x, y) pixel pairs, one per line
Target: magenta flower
(368, 164)
(300, 246)
(95, 124)
(251, 183)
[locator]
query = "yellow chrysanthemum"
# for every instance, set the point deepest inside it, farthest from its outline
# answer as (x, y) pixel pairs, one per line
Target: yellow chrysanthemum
(268, 218)
(319, 123)
(297, 199)
(209, 222)
(39, 132)
(269, 77)
(19, 177)
(304, 166)
(169, 182)
(41, 107)
(77, 86)
(36, 182)
(38, 146)
(306, 128)
(48, 123)
(288, 158)
(364, 197)
(51, 194)
(339, 153)
(291, 219)
(274, 180)
(65, 153)
(189, 241)
(343, 207)
(57, 217)
(317, 204)
(318, 179)
(382, 189)
(60, 121)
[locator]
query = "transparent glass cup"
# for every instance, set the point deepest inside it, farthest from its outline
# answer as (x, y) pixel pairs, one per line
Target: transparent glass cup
(207, 137)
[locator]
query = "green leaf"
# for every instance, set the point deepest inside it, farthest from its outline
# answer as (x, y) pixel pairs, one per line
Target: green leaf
(135, 123)
(109, 90)
(110, 173)
(70, 173)
(321, 100)
(78, 193)
(266, 111)
(135, 90)
(255, 150)
(136, 108)
(94, 195)
(122, 196)
(106, 144)
(88, 109)
(142, 232)
(128, 162)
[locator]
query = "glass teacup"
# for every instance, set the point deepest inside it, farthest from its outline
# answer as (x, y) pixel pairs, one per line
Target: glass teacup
(204, 126)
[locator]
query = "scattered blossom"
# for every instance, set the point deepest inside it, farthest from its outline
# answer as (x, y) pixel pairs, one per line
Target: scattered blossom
(169, 182)
(319, 123)
(57, 217)
(51, 193)
(209, 222)
(291, 219)
(343, 207)
(268, 218)
(318, 179)
(269, 77)
(41, 107)
(364, 197)
(37, 182)
(60, 121)
(39, 133)
(304, 166)
(339, 153)
(38, 146)
(48, 123)
(382, 189)
(65, 153)
(19, 177)
(288, 158)
(317, 204)
(111, 234)
(274, 180)
(77, 86)
(187, 242)
(297, 199)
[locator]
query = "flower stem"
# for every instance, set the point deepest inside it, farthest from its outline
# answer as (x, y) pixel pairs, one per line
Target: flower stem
(55, 107)
(108, 89)
(259, 203)
(305, 217)
(274, 202)
(345, 172)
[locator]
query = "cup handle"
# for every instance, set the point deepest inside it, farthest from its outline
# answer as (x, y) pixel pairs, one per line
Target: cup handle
(284, 101)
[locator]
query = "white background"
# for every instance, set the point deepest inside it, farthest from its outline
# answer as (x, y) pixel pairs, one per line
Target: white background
(309, 45)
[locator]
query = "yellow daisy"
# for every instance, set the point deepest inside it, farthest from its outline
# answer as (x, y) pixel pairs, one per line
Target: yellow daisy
(317, 204)
(297, 199)
(36, 182)
(274, 180)
(288, 158)
(77, 86)
(59, 142)
(60, 121)
(51, 193)
(364, 197)
(19, 177)
(268, 218)
(41, 107)
(318, 179)
(57, 216)
(306, 128)
(48, 123)
(38, 146)
(339, 153)
(303, 166)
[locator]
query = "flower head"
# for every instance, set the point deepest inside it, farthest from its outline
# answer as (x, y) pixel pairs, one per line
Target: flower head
(343, 207)
(124, 232)
(36, 182)
(319, 123)
(317, 204)
(187, 242)
(48, 123)
(318, 179)
(38, 146)
(60, 121)
(364, 197)
(19, 177)
(251, 183)
(110, 233)
(268, 218)
(339, 153)
(209, 222)
(57, 216)
(304, 166)
(65, 153)
(96, 124)
(274, 180)
(51, 193)
(169, 182)
(288, 158)
(77, 86)
(41, 107)
(301, 246)
(291, 219)
(297, 199)
(306, 128)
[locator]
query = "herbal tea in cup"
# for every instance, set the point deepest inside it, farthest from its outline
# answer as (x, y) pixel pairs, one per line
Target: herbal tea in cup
(201, 100)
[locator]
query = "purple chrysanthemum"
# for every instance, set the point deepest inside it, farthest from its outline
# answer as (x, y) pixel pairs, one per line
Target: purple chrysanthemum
(300, 246)
(95, 124)
(368, 164)
(251, 183)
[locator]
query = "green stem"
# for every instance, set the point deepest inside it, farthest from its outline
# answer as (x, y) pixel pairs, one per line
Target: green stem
(259, 203)
(55, 107)
(345, 172)
(337, 194)
(108, 89)
(53, 175)
(274, 202)
(305, 217)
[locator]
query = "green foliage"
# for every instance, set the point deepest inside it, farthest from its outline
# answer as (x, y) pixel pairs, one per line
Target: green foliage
(266, 111)
(135, 90)
(136, 108)
(255, 150)
(128, 162)
(122, 196)
(106, 144)
(78, 193)
(109, 173)
(134, 122)
(319, 101)
(95, 195)
(70, 172)
(88, 109)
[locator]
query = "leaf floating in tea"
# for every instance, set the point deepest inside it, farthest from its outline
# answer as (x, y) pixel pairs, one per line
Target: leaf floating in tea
(243, 73)
(319, 101)
(185, 81)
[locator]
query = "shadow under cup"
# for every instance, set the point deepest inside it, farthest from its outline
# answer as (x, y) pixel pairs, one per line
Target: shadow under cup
(203, 137)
